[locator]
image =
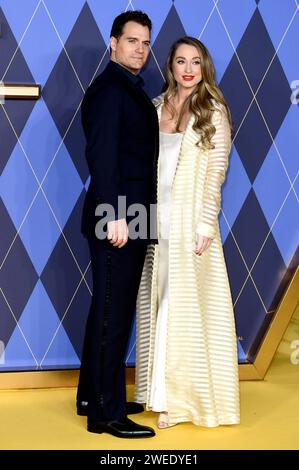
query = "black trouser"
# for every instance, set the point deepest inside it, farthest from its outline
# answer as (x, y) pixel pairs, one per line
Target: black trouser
(116, 278)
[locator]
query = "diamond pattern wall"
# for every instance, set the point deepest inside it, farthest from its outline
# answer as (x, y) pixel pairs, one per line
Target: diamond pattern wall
(45, 278)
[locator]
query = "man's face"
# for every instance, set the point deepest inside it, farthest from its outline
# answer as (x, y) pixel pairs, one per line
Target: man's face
(131, 49)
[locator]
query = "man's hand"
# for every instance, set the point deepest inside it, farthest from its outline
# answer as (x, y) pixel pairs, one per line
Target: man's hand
(118, 232)
(202, 244)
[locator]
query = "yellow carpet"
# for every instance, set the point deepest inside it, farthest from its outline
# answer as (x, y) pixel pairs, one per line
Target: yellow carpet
(46, 419)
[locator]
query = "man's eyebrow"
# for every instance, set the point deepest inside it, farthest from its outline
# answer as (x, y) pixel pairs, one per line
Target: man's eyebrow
(132, 37)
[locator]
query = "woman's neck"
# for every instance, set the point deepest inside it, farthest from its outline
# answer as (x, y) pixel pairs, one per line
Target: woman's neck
(181, 95)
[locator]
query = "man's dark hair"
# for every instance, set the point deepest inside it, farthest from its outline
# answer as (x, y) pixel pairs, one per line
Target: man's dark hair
(137, 16)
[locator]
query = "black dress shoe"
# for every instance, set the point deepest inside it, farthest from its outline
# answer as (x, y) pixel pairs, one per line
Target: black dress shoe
(123, 428)
(82, 407)
(131, 408)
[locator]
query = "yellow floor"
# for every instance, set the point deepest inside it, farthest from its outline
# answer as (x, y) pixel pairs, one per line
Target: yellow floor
(46, 419)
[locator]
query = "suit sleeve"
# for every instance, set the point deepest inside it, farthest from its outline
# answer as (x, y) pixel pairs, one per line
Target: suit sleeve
(101, 119)
(216, 171)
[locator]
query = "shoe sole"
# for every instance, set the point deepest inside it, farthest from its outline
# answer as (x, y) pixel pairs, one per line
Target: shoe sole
(95, 431)
(84, 413)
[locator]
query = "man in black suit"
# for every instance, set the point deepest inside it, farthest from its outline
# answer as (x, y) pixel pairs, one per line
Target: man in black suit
(121, 128)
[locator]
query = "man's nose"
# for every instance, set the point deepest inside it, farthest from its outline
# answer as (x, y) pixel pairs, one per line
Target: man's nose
(140, 48)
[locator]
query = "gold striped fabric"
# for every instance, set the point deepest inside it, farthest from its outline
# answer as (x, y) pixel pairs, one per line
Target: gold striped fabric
(202, 383)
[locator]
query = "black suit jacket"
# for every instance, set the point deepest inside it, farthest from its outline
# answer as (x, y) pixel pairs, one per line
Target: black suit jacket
(122, 143)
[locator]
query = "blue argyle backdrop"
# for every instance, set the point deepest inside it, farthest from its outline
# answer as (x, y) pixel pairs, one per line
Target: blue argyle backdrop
(45, 277)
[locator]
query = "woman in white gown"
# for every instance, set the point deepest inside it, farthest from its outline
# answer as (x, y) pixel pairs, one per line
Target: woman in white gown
(186, 357)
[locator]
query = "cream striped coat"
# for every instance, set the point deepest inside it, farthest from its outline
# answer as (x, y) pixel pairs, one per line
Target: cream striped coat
(201, 360)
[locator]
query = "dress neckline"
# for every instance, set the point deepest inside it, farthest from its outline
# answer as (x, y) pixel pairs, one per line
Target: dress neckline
(171, 133)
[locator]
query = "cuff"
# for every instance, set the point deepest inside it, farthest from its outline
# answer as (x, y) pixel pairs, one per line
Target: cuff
(206, 230)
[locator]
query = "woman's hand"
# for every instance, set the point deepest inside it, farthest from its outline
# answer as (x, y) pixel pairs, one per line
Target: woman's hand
(202, 244)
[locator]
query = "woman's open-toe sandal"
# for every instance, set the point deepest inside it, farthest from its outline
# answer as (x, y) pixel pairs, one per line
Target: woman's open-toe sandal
(163, 421)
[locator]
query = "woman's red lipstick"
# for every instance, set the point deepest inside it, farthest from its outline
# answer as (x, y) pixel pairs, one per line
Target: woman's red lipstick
(188, 78)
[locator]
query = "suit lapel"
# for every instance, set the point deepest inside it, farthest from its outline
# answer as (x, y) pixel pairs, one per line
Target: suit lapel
(146, 103)
(144, 100)
(139, 94)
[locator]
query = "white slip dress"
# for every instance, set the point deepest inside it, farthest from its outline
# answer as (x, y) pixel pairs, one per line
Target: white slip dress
(170, 145)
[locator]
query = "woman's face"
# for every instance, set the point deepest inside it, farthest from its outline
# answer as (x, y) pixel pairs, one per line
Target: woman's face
(186, 66)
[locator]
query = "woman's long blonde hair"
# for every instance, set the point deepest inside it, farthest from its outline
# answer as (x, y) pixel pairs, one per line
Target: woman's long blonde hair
(201, 103)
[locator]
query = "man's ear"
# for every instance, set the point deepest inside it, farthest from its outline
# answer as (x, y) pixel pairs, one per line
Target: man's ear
(113, 42)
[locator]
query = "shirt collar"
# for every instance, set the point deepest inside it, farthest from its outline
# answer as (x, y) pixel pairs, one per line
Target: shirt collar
(137, 80)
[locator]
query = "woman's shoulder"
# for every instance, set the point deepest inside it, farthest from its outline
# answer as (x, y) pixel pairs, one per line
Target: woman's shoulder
(219, 113)
(217, 106)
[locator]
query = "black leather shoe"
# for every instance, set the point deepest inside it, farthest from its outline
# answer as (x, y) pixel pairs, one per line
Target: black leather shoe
(82, 407)
(123, 428)
(131, 408)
